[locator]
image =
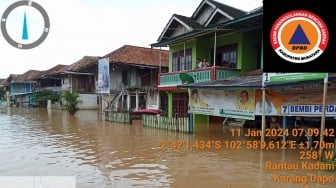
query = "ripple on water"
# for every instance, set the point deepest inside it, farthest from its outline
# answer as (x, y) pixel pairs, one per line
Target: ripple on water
(105, 154)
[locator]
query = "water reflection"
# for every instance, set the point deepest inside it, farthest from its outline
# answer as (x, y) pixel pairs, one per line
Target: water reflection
(44, 142)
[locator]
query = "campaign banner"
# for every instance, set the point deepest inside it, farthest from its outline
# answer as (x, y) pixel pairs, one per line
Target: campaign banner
(103, 76)
(225, 103)
(303, 100)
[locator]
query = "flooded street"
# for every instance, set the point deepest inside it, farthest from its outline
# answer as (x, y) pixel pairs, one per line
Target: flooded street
(41, 142)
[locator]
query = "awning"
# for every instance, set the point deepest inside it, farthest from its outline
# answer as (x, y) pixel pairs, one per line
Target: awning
(251, 81)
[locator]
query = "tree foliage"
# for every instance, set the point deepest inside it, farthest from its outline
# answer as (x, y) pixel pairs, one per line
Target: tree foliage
(71, 98)
(43, 96)
(2, 92)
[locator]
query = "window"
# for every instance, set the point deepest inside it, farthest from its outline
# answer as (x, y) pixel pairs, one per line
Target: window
(226, 56)
(181, 62)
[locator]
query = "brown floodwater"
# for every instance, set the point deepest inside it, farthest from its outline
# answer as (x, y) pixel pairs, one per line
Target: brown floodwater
(41, 142)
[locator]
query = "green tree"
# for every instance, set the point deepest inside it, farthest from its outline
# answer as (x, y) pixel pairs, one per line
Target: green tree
(43, 96)
(71, 98)
(2, 93)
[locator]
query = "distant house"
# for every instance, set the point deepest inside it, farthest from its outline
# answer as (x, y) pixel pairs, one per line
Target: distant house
(2, 91)
(134, 78)
(21, 88)
(50, 79)
(81, 76)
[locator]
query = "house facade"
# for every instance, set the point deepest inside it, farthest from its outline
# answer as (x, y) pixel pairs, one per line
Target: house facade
(229, 39)
(133, 78)
(50, 79)
(3, 97)
(132, 73)
(81, 76)
(21, 88)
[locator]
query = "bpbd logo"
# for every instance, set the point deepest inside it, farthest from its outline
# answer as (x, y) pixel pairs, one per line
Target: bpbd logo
(299, 36)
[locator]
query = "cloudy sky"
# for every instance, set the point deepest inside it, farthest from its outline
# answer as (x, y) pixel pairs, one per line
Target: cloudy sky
(88, 27)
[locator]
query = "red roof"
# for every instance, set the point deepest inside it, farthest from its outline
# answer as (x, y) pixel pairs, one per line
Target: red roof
(82, 63)
(139, 55)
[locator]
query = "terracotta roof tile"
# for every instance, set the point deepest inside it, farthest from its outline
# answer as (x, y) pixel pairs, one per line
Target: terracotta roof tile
(27, 76)
(82, 63)
(139, 55)
(52, 71)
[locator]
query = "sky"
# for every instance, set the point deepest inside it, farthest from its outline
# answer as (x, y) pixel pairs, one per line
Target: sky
(88, 28)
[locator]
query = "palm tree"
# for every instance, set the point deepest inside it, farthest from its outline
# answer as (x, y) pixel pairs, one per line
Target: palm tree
(71, 98)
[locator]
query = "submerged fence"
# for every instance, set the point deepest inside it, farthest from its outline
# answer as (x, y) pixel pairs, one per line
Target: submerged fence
(180, 124)
(120, 117)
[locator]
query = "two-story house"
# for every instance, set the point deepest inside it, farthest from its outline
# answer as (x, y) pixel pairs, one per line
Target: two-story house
(22, 88)
(133, 78)
(228, 38)
(132, 73)
(49, 79)
(81, 76)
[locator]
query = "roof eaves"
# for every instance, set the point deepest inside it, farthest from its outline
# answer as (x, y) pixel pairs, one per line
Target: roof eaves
(166, 27)
(183, 37)
(204, 31)
(200, 7)
(214, 14)
(77, 73)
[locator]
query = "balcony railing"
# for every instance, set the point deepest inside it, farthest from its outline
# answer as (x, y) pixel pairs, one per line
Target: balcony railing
(199, 75)
(20, 91)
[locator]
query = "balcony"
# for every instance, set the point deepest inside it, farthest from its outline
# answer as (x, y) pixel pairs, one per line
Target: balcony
(169, 81)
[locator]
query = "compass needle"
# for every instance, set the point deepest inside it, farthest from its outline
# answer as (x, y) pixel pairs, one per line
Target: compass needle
(25, 29)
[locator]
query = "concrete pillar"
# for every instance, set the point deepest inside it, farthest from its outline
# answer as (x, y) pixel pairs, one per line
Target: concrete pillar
(49, 104)
(8, 99)
(128, 101)
(136, 100)
(158, 100)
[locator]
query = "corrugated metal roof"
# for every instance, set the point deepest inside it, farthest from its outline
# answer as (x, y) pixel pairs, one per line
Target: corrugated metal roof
(279, 85)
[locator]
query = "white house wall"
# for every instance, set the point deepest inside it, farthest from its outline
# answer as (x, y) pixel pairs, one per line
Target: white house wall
(134, 79)
(116, 79)
(89, 102)
(152, 100)
(66, 82)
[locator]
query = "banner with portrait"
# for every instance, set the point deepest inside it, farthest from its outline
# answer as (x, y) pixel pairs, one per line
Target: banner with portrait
(225, 103)
(103, 76)
(302, 100)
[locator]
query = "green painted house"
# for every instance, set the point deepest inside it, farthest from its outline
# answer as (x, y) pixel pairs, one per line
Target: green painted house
(230, 40)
